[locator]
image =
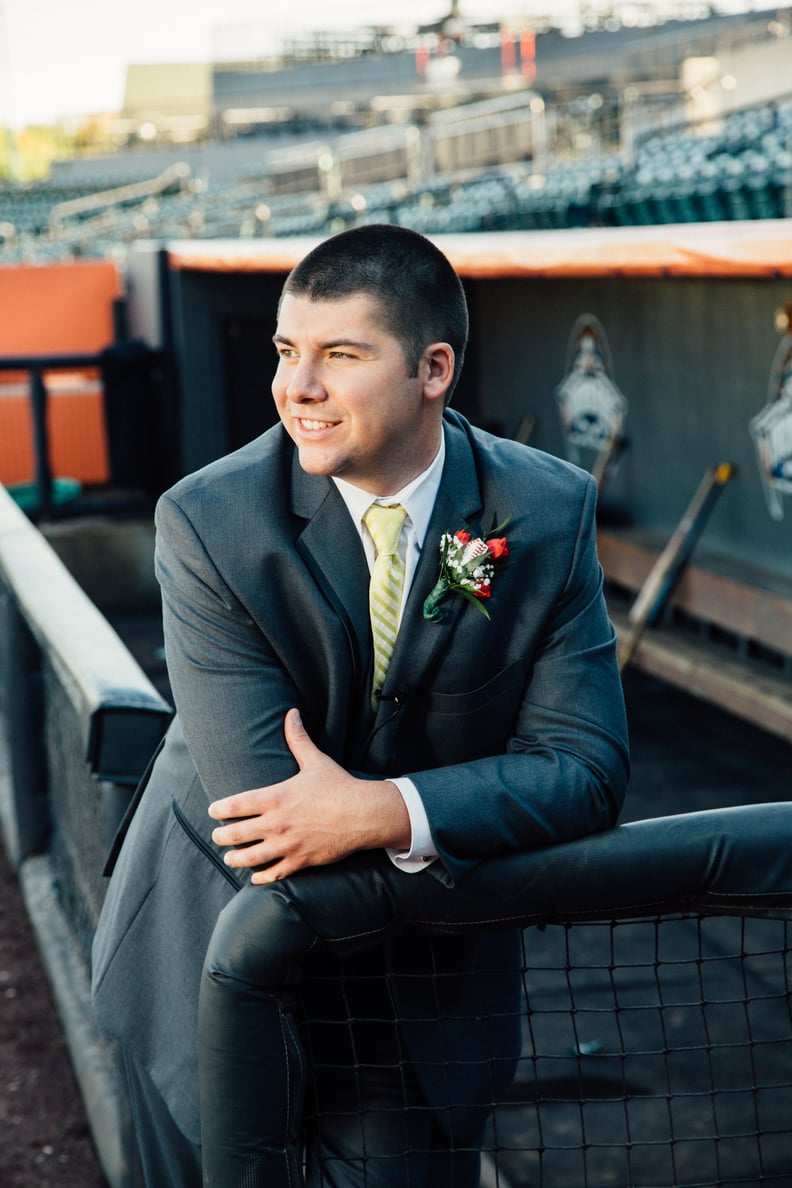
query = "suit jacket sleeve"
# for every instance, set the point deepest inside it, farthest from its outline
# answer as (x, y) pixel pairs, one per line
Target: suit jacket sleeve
(230, 688)
(564, 768)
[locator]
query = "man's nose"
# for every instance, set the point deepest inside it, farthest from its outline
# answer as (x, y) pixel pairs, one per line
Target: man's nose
(304, 382)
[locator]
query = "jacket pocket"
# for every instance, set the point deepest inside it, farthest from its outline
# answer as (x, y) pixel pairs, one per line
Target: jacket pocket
(496, 694)
(444, 729)
(205, 848)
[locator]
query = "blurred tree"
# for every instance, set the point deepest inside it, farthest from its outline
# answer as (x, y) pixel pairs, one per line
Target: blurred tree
(28, 155)
(9, 164)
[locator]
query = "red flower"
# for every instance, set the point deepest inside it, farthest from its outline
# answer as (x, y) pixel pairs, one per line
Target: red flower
(497, 547)
(467, 567)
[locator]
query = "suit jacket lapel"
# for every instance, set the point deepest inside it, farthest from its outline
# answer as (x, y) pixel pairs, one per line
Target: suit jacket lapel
(332, 550)
(458, 505)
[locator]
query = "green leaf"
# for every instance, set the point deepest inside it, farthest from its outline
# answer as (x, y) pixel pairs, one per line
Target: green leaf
(477, 602)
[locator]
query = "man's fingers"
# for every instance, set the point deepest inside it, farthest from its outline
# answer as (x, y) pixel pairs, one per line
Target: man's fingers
(238, 833)
(255, 855)
(242, 804)
(273, 874)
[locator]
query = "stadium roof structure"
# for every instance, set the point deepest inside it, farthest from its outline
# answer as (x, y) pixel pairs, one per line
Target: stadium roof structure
(756, 248)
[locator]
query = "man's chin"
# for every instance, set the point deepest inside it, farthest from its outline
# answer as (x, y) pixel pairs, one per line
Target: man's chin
(314, 463)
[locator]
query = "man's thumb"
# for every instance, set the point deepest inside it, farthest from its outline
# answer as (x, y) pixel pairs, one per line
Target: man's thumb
(297, 737)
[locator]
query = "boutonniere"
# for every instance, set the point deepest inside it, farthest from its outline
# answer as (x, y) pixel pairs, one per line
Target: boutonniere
(467, 566)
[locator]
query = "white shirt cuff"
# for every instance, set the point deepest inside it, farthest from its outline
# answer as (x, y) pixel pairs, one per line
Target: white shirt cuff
(422, 850)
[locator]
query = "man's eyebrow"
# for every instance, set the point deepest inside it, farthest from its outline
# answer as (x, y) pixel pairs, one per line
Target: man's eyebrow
(330, 345)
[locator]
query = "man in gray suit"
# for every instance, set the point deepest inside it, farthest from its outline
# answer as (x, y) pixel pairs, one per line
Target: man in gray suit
(360, 768)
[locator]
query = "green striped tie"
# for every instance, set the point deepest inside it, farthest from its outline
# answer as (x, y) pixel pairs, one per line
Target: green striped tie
(385, 590)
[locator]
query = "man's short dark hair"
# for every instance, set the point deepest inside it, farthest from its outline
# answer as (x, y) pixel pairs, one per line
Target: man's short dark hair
(420, 296)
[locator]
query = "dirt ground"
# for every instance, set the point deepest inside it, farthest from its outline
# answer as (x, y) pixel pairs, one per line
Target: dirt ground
(44, 1137)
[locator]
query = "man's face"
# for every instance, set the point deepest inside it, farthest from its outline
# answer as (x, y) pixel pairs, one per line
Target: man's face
(344, 395)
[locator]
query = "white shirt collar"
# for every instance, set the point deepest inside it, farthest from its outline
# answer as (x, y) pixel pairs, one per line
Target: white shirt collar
(417, 497)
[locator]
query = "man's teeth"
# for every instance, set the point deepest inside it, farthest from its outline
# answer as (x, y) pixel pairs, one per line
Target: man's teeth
(315, 424)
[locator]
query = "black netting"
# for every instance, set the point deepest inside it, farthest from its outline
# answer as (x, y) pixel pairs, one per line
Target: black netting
(655, 1052)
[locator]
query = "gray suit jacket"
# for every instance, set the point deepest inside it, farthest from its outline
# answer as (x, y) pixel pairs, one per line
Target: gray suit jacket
(512, 729)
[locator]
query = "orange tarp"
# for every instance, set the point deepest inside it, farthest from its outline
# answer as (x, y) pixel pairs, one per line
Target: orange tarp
(56, 309)
(75, 422)
(760, 248)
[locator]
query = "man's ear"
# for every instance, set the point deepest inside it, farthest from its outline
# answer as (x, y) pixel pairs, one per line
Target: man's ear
(437, 365)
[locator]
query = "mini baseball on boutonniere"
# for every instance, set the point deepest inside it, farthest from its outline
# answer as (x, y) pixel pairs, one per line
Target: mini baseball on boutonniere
(467, 566)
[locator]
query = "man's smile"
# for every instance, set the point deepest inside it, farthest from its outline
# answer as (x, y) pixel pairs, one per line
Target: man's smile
(312, 426)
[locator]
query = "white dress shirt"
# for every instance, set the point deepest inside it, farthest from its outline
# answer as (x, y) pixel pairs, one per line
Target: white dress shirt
(418, 499)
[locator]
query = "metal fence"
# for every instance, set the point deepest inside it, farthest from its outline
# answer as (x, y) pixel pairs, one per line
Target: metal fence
(657, 1050)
